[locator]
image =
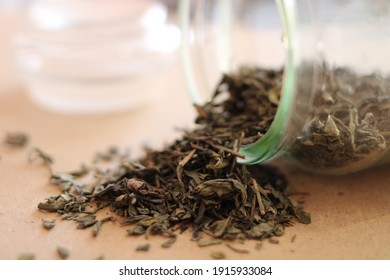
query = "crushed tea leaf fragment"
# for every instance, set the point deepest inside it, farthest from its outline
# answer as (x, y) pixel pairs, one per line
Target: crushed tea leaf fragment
(63, 252)
(26, 256)
(16, 139)
(237, 250)
(48, 224)
(143, 247)
(218, 255)
(209, 242)
(169, 242)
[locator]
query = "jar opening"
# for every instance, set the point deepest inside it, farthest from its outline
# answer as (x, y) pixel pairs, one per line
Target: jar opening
(220, 37)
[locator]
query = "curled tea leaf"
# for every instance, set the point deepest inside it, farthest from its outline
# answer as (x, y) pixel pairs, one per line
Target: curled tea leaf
(237, 250)
(221, 188)
(37, 155)
(169, 242)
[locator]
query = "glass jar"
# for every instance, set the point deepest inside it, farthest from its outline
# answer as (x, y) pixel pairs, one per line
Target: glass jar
(334, 112)
(101, 56)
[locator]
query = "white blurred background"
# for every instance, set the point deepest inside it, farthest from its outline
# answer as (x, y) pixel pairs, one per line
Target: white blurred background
(69, 51)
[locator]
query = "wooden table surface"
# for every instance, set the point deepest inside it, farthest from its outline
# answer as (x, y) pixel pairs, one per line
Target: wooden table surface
(350, 214)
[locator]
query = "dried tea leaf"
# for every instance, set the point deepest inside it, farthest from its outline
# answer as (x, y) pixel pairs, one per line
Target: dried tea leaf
(221, 188)
(84, 170)
(208, 242)
(137, 230)
(63, 253)
(293, 238)
(262, 230)
(218, 228)
(273, 241)
(85, 221)
(52, 205)
(259, 246)
(274, 95)
(96, 227)
(143, 247)
(169, 242)
(218, 255)
(39, 155)
(26, 256)
(303, 217)
(16, 139)
(237, 250)
(48, 224)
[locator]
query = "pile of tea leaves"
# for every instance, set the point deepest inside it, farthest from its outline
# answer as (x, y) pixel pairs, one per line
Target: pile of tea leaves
(195, 183)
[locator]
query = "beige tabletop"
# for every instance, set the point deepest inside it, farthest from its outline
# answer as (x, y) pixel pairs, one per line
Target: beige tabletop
(350, 214)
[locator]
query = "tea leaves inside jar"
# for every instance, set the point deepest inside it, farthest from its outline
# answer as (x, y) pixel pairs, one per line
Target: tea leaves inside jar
(349, 121)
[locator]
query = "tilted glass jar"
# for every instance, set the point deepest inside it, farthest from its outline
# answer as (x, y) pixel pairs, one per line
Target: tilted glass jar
(334, 112)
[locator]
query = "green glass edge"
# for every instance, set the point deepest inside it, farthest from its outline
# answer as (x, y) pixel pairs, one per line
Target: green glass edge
(268, 147)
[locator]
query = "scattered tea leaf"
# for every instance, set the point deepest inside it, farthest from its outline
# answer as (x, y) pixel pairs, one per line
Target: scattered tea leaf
(39, 156)
(26, 256)
(303, 217)
(273, 241)
(143, 247)
(169, 242)
(218, 255)
(16, 139)
(63, 252)
(48, 224)
(259, 246)
(293, 238)
(237, 250)
(96, 227)
(209, 242)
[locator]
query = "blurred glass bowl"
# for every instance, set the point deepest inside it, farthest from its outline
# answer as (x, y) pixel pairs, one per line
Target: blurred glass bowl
(82, 56)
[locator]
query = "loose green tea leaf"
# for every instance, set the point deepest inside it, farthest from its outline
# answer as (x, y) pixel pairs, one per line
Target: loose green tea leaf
(137, 230)
(209, 242)
(293, 238)
(85, 221)
(237, 250)
(16, 139)
(273, 241)
(39, 156)
(259, 246)
(303, 217)
(63, 252)
(143, 247)
(169, 242)
(98, 225)
(48, 224)
(218, 255)
(26, 256)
